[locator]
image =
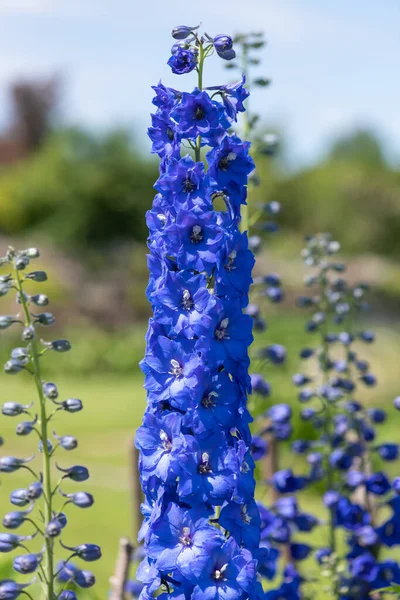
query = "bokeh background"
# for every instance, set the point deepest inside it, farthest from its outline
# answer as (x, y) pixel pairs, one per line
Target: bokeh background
(76, 179)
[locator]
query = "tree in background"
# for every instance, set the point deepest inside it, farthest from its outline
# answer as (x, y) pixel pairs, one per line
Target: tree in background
(34, 106)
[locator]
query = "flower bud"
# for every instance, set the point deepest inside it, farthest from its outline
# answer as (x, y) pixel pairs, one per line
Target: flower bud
(10, 541)
(21, 355)
(87, 552)
(82, 499)
(85, 579)
(26, 427)
(13, 409)
(19, 497)
(45, 319)
(40, 300)
(4, 288)
(396, 485)
(67, 595)
(5, 278)
(222, 42)
(10, 464)
(27, 563)
(38, 276)
(387, 452)
(62, 519)
(24, 295)
(6, 321)
(35, 490)
(14, 519)
(76, 473)
(223, 46)
(275, 353)
(53, 528)
(12, 367)
(72, 405)
(9, 589)
(60, 345)
(68, 442)
(28, 334)
(182, 31)
(66, 572)
(32, 252)
(21, 262)
(50, 390)
(49, 446)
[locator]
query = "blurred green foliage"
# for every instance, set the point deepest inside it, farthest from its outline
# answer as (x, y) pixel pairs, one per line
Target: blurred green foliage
(86, 191)
(81, 190)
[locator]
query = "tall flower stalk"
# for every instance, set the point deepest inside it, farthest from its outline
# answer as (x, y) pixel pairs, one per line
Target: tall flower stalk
(344, 455)
(202, 526)
(43, 511)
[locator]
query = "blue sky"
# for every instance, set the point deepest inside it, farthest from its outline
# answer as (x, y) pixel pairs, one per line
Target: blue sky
(334, 64)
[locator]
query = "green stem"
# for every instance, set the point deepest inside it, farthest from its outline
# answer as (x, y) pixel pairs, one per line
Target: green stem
(327, 427)
(245, 222)
(197, 150)
(49, 558)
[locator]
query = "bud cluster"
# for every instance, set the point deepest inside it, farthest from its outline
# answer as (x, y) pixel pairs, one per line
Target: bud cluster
(38, 500)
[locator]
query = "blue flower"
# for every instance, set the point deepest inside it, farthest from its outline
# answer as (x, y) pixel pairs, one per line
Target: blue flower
(378, 484)
(217, 408)
(195, 439)
(233, 96)
(259, 385)
(182, 61)
(259, 447)
(184, 304)
(163, 446)
(182, 540)
(230, 162)
(286, 482)
(208, 471)
(290, 587)
(188, 183)
(164, 136)
(165, 97)
(364, 567)
(195, 239)
(172, 370)
(388, 452)
(229, 573)
(198, 115)
(276, 353)
(300, 551)
(349, 515)
(243, 522)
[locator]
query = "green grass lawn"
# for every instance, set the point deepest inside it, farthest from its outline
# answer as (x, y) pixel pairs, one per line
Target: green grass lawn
(113, 409)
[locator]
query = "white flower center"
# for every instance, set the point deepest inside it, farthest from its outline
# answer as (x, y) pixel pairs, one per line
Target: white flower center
(220, 332)
(197, 235)
(176, 369)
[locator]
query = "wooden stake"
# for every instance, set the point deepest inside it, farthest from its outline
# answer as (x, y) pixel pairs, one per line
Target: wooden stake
(121, 575)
